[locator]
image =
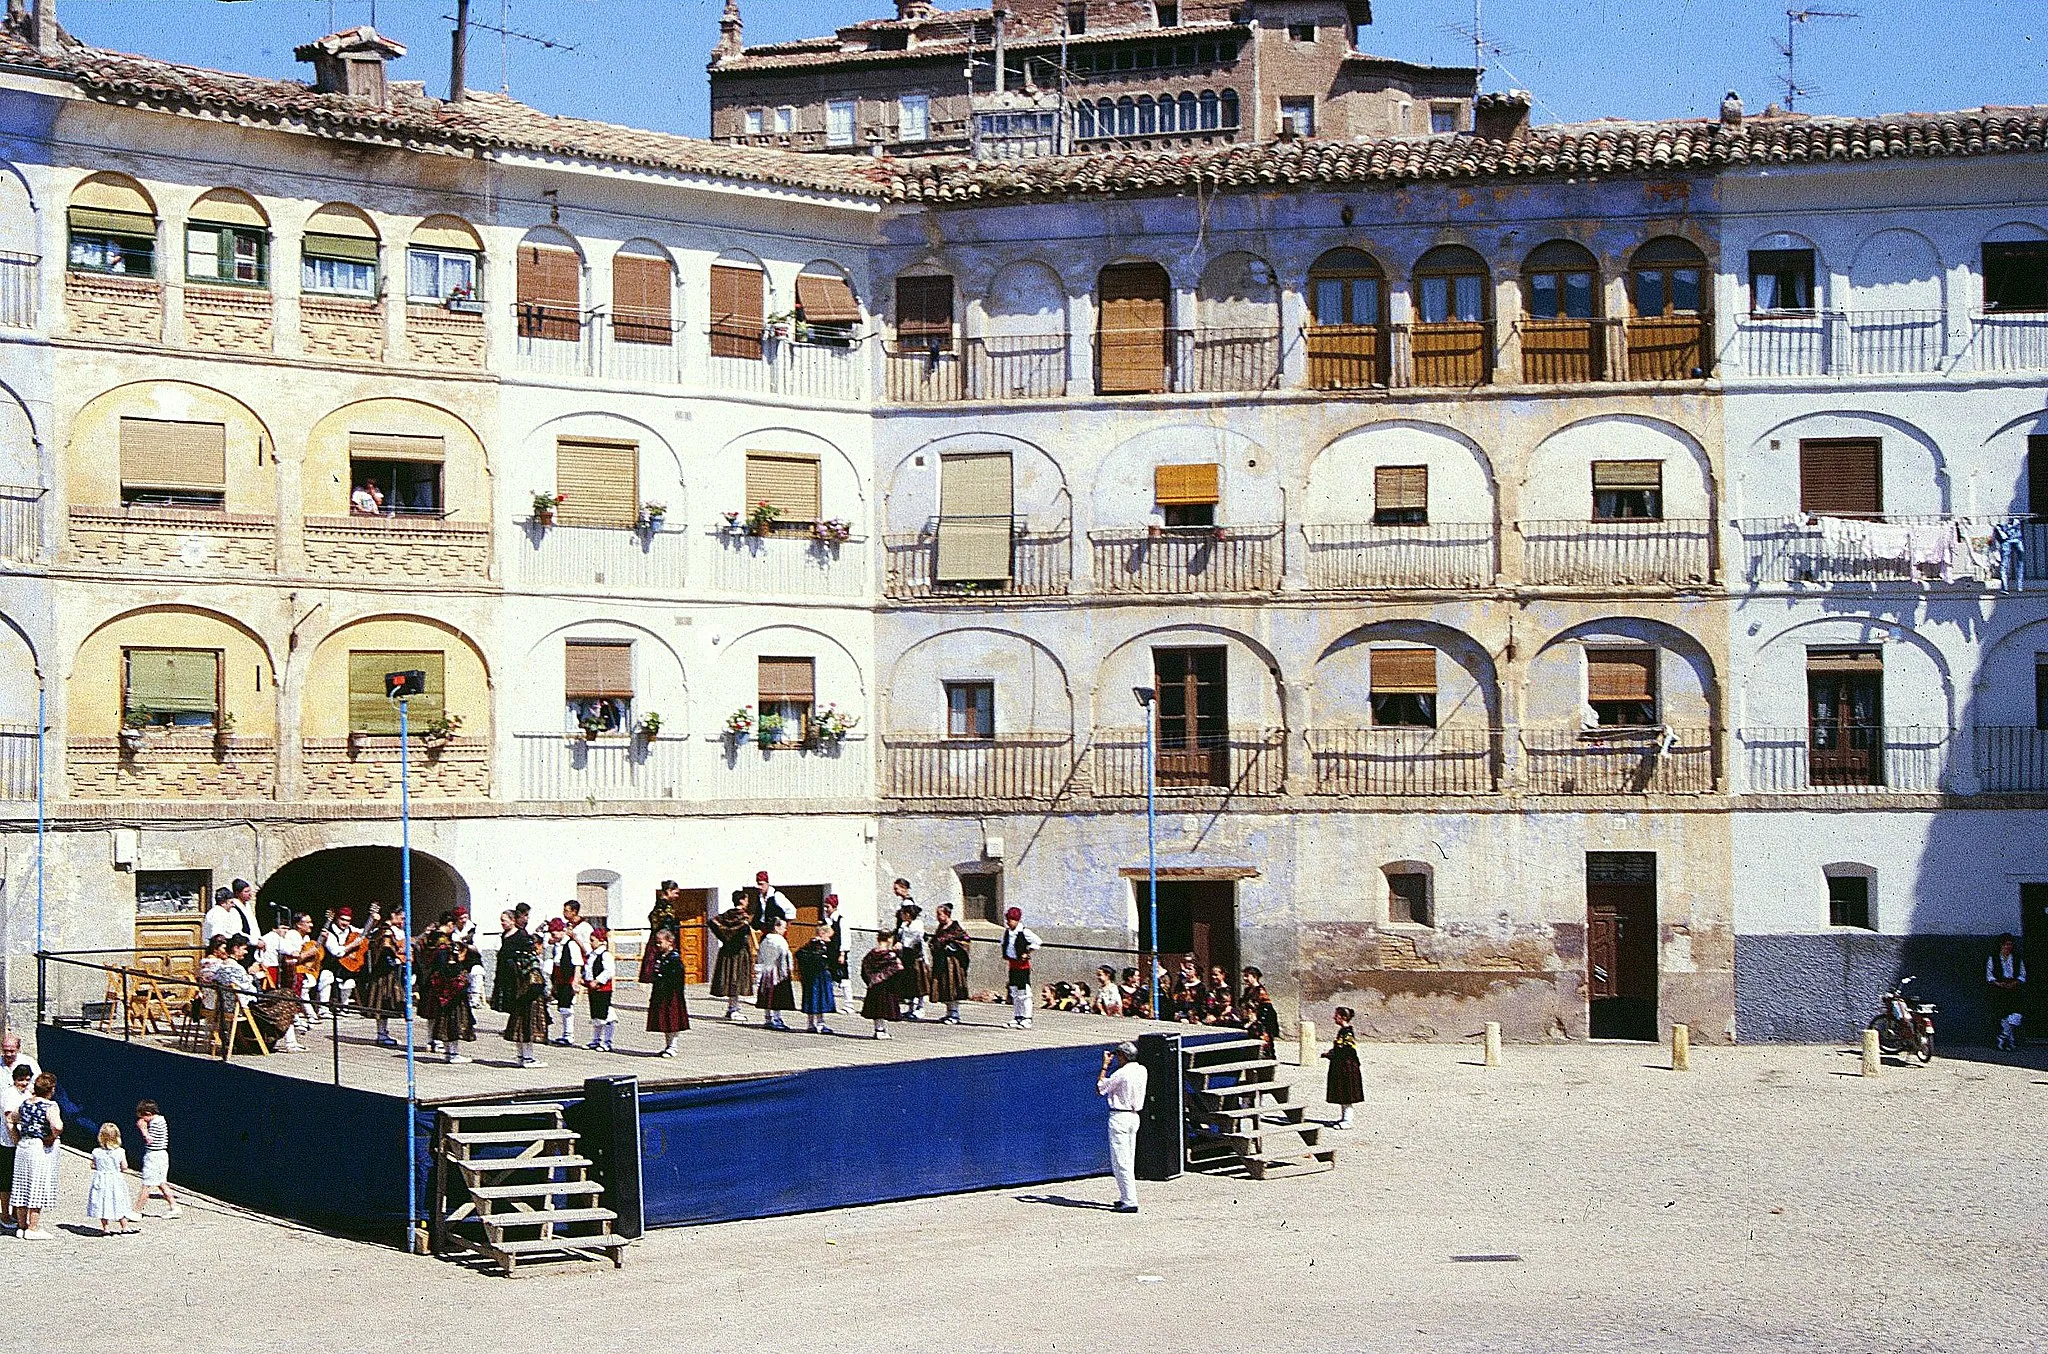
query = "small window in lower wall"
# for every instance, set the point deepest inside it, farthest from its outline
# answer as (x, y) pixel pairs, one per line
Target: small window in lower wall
(1408, 898)
(970, 710)
(1849, 901)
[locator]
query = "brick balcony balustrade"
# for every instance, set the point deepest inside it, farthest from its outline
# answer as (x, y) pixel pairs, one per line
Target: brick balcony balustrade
(342, 329)
(229, 319)
(172, 765)
(1041, 565)
(560, 556)
(1635, 552)
(1187, 560)
(1846, 760)
(1396, 761)
(1618, 761)
(1364, 555)
(117, 309)
(437, 337)
(417, 548)
(1015, 768)
(195, 539)
(365, 768)
(1239, 762)
(788, 562)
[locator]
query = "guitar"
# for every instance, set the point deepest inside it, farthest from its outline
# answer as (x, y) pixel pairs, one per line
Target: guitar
(355, 954)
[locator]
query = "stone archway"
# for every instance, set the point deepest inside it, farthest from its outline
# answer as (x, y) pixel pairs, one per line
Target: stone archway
(355, 877)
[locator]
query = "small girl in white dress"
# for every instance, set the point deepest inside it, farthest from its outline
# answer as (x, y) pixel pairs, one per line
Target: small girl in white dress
(106, 1197)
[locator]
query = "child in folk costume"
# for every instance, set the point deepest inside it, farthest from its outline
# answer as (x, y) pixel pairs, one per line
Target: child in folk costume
(1344, 1087)
(949, 944)
(598, 973)
(523, 994)
(667, 1012)
(772, 969)
(833, 926)
(816, 980)
(565, 971)
(732, 976)
(106, 1194)
(445, 991)
(1018, 945)
(1255, 1011)
(156, 1157)
(880, 969)
(382, 993)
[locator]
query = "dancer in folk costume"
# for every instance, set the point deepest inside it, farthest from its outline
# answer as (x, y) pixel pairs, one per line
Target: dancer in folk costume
(445, 990)
(949, 949)
(732, 975)
(881, 969)
(524, 998)
(599, 973)
(1019, 943)
(833, 924)
(1255, 1011)
(668, 1014)
(911, 949)
(382, 990)
(1345, 1086)
(816, 980)
(772, 969)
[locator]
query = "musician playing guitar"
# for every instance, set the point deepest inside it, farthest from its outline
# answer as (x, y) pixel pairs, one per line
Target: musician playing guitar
(345, 948)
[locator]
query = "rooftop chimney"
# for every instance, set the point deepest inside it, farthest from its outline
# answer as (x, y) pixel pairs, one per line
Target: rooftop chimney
(351, 62)
(43, 28)
(907, 10)
(730, 31)
(1502, 117)
(1731, 111)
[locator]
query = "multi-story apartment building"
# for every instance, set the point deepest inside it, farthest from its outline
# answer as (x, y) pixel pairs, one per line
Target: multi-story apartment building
(1048, 76)
(1558, 560)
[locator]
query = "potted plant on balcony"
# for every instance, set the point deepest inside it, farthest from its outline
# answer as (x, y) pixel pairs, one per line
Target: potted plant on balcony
(437, 733)
(833, 531)
(135, 726)
(649, 727)
(651, 516)
(732, 525)
(761, 520)
(462, 301)
(739, 724)
(768, 732)
(593, 725)
(829, 727)
(544, 505)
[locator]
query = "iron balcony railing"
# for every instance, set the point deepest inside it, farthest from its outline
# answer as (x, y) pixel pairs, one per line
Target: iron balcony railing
(1843, 342)
(17, 762)
(788, 562)
(1347, 356)
(18, 290)
(1845, 758)
(991, 367)
(1396, 761)
(1236, 762)
(1222, 359)
(1563, 352)
(21, 523)
(795, 368)
(2011, 758)
(1668, 347)
(1631, 552)
(1618, 761)
(1346, 555)
(1041, 565)
(1452, 352)
(1187, 560)
(1894, 548)
(563, 556)
(1020, 768)
(2009, 340)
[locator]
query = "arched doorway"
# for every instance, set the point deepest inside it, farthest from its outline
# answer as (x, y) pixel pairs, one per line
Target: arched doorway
(355, 877)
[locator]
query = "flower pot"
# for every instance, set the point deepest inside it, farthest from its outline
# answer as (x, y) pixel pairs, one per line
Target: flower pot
(545, 519)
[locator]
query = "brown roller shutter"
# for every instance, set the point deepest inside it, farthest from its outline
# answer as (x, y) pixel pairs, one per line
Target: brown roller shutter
(1628, 475)
(550, 296)
(160, 454)
(975, 503)
(826, 300)
(924, 309)
(788, 482)
(1131, 333)
(787, 679)
(397, 447)
(641, 287)
(738, 311)
(1621, 674)
(1844, 660)
(599, 482)
(1403, 671)
(1841, 477)
(1400, 488)
(1184, 485)
(593, 671)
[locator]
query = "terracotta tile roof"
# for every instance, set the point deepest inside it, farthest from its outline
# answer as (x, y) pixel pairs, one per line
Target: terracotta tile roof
(480, 122)
(814, 52)
(1611, 147)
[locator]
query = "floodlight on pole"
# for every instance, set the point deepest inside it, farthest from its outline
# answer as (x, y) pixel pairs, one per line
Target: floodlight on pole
(1147, 697)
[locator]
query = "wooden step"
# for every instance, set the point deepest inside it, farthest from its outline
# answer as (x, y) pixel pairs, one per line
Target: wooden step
(1192, 1057)
(1249, 1140)
(1279, 1090)
(523, 1137)
(538, 1189)
(1319, 1159)
(542, 1245)
(474, 1166)
(555, 1217)
(499, 1111)
(1290, 1114)
(1234, 1069)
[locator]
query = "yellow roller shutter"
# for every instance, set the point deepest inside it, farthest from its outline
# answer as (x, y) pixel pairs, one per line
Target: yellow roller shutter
(599, 482)
(396, 447)
(1403, 671)
(1400, 488)
(173, 682)
(788, 482)
(368, 709)
(593, 671)
(1628, 475)
(1184, 485)
(787, 679)
(974, 518)
(160, 454)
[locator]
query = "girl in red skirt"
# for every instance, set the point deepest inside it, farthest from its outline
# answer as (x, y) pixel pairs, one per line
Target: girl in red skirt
(667, 1012)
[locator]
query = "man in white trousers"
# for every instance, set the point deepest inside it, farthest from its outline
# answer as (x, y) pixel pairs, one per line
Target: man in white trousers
(1122, 1084)
(1018, 946)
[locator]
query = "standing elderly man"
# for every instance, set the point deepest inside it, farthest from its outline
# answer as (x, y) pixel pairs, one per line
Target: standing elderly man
(2006, 975)
(12, 1057)
(1122, 1085)
(229, 916)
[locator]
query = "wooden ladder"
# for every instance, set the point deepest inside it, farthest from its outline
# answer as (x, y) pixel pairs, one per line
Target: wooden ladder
(1239, 1116)
(524, 1187)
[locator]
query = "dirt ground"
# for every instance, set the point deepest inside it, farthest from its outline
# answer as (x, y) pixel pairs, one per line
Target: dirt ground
(1767, 1200)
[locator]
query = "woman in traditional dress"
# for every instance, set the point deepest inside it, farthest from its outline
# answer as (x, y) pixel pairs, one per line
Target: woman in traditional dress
(1255, 1011)
(949, 948)
(881, 969)
(817, 981)
(524, 989)
(668, 1014)
(917, 968)
(732, 976)
(773, 966)
(1344, 1087)
(446, 991)
(382, 993)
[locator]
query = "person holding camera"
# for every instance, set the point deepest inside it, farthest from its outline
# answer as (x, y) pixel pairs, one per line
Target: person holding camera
(1122, 1085)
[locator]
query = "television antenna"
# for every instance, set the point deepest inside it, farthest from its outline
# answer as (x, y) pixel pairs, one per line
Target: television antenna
(1789, 47)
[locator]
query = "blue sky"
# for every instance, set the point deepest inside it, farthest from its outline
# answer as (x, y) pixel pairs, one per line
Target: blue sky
(642, 61)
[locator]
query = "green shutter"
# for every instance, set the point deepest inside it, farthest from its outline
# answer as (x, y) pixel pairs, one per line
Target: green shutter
(173, 682)
(95, 221)
(343, 247)
(368, 709)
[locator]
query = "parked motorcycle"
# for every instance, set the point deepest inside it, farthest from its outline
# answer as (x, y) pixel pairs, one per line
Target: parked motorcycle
(1903, 1025)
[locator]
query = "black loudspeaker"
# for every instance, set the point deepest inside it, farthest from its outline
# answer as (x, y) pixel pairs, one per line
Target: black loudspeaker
(608, 1122)
(1162, 1127)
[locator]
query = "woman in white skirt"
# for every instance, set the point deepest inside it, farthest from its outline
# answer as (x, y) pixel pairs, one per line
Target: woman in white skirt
(38, 1128)
(156, 1157)
(106, 1194)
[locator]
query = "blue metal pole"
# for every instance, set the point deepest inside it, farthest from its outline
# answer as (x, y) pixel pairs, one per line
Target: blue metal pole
(1152, 846)
(42, 816)
(412, 1174)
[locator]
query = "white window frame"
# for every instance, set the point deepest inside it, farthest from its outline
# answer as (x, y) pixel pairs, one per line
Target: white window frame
(755, 121)
(785, 119)
(842, 121)
(441, 258)
(1289, 107)
(914, 117)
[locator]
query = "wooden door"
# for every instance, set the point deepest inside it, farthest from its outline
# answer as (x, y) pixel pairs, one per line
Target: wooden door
(1845, 744)
(1621, 960)
(169, 905)
(693, 937)
(1131, 331)
(1194, 717)
(1197, 917)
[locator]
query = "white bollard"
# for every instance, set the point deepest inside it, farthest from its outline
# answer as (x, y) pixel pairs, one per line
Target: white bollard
(1871, 1059)
(1681, 1048)
(1493, 1043)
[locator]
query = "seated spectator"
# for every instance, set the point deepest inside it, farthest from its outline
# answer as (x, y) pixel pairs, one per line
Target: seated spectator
(367, 500)
(1109, 998)
(1216, 1005)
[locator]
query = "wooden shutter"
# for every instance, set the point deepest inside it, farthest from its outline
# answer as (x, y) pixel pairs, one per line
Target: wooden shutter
(2037, 477)
(738, 311)
(826, 300)
(641, 290)
(550, 295)
(173, 681)
(1131, 333)
(787, 679)
(129, 225)
(1185, 485)
(1404, 671)
(924, 309)
(593, 671)
(370, 712)
(1844, 660)
(397, 447)
(1400, 488)
(599, 482)
(161, 454)
(1621, 674)
(1841, 477)
(975, 504)
(788, 482)
(1628, 475)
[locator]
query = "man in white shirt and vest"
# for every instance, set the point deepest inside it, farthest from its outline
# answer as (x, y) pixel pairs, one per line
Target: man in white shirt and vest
(2006, 973)
(1122, 1085)
(1019, 943)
